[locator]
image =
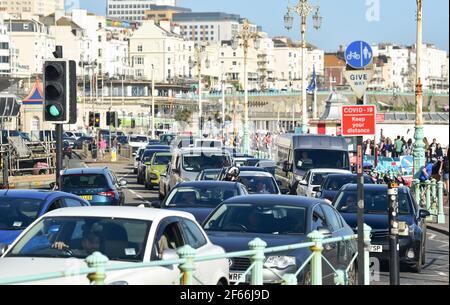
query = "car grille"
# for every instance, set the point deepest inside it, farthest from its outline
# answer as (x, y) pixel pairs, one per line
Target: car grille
(378, 234)
(240, 264)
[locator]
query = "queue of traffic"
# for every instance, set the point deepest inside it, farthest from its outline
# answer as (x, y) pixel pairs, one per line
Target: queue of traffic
(213, 199)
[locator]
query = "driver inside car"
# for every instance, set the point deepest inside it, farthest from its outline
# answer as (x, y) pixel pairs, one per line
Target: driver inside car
(90, 243)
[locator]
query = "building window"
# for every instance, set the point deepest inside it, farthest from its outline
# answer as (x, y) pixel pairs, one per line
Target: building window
(169, 61)
(234, 63)
(234, 54)
(100, 52)
(99, 25)
(99, 38)
(139, 48)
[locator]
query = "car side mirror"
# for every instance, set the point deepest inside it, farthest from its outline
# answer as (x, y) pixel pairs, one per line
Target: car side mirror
(3, 248)
(318, 194)
(156, 204)
(285, 191)
(303, 182)
(424, 213)
(134, 154)
(286, 167)
(123, 182)
(325, 232)
(316, 189)
(169, 254)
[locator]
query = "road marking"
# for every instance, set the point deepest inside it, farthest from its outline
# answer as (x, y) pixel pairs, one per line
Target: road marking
(139, 196)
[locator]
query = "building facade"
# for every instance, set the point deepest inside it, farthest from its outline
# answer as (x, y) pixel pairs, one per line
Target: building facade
(5, 56)
(33, 7)
(132, 10)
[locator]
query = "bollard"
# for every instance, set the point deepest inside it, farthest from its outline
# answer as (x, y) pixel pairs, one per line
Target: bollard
(428, 194)
(440, 190)
(258, 259)
(417, 193)
(316, 261)
(98, 261)
(367, 230)
(433, 191)
(188, 267)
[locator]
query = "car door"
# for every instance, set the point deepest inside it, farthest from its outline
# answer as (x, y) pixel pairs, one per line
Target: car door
(333, 250)
(302, 189)
(318, 222)
(168, 236)
(195, 238)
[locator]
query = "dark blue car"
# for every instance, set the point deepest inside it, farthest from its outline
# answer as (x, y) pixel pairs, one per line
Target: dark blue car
(99, 186)
(200, 198)
(412, 226)
(19, 208)
(332, 184)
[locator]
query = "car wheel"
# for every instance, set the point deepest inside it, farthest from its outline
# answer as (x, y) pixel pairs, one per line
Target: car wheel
(417, 267)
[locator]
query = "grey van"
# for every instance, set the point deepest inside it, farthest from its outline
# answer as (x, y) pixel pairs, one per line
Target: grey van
(297, 154)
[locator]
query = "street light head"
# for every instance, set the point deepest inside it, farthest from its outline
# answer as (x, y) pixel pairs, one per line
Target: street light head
(317, 19)
(288, 20)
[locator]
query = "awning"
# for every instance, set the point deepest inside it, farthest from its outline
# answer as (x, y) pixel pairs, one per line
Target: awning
(36, 97)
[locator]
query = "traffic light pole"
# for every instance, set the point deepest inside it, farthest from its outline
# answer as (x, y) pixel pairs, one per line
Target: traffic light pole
(59, 149)
(394, 264)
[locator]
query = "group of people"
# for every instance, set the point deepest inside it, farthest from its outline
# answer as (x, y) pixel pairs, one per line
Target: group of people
(98, 150)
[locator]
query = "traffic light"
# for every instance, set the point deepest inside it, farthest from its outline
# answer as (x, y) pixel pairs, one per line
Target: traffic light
(60, 96)
(108, 118)
(91, 119)
(111, 118)
(133, 123)
(97, 120)
(119, 122)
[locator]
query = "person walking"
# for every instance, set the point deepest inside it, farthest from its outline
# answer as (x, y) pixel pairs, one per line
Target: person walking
(398, 147)
(408, 150)
(443, 171)
(432, 149)
(388, 148)
(94, 148)
(102, 146)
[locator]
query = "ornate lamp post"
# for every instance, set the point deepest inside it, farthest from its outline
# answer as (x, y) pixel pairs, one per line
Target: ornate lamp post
(303, 9)
(243, 39)
(419, 145)
(198, 54)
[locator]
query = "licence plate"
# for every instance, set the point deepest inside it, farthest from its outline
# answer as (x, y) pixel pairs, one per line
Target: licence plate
(87, 197)
(235, 276)
(376, 248)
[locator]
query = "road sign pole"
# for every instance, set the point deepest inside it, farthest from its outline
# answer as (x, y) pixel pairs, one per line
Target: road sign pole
(360, 216)
(394, 264)
(59, 149)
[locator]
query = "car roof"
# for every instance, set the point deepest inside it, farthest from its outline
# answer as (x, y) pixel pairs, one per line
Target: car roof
(262, 173)
(251, 169)
(370, 187)
(330, 170)
(32, 194)
(86, 170)
(276, 199)
(207, 183)
(118, 212)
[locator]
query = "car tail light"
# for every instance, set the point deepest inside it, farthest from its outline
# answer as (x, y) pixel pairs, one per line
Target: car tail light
(108, 194)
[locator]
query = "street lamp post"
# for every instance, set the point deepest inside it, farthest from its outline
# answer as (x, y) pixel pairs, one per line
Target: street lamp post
(303, 9)
(246, 36)
(153, 102)
(199, 49)
(419, 145)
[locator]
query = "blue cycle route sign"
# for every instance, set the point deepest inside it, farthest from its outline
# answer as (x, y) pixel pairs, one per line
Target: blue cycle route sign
(359, 54)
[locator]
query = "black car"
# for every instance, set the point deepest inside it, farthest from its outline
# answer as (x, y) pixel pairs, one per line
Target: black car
(78, 143)
(200, 198)
(280, 220)
(333, 183)
(412, 226)
(145, 160)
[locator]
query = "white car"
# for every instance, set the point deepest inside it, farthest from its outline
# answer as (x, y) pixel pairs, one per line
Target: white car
(313, 180)
(137, 141)
(62, 239)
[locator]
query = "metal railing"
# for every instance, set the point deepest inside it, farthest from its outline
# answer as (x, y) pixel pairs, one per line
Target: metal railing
(430, 195)
(97, 269)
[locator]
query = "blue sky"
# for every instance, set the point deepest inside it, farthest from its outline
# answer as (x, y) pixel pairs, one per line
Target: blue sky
(344, 20)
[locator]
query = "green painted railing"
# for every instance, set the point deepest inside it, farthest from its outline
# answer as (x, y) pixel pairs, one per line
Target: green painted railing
(98, 263)
(430, 195)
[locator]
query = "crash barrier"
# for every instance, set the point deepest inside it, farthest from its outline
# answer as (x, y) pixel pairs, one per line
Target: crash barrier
(98, 268)
(125, 151)
(430, 195)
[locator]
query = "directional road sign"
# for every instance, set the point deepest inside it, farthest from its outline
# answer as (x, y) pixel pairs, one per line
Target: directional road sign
(359, 54)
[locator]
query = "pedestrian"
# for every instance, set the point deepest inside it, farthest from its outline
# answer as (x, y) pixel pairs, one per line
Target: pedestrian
(381, 146)
(408, 150)
(444, 172)
(398, 147)
(388, 148)
(427, 145)
(94, 150)
(439, 152)
(102, 146)
(368, 148)
(427, 171)
(432, 149)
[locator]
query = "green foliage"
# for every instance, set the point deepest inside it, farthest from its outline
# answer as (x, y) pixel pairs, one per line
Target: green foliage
(183, 115)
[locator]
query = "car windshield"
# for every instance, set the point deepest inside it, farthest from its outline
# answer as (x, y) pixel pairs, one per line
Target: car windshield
(259, 184)
(138, 139)
(210, 175)
(334, 183)
(148, 155)
(199, 162)
(201, 196)
(162, 160)
(84, 181)
(79, 237)
(18, 213)
(375, 202)
(306, 159)
(251, 162)
(262, 219)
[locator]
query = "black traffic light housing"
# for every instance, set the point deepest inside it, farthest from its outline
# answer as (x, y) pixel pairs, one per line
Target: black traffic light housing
(60, 91)
(91, 119)
(133, 123)
(111, 118)
(97, 120)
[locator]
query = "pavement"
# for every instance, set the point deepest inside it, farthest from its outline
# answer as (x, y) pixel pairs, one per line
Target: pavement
(441, 228)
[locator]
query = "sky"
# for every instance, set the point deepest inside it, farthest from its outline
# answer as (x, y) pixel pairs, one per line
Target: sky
(344, 21)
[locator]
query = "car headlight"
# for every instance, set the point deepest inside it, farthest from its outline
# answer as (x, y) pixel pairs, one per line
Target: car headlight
(153, 176)
(404, 229)
(280, 262)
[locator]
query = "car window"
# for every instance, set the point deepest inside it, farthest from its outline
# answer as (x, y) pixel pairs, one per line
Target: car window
(318, 219)
(84, 181)
(169, 237)
(71, 202)
(18, 213)
(193, 234)
(57, 204)
(331, 217)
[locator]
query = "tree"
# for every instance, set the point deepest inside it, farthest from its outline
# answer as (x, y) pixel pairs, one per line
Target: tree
(183, 115)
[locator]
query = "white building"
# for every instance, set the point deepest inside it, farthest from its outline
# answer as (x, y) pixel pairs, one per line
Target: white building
(160, 48)
(209, 26)
(32, 7)
(35, 41)
(266, 62)
(5, 57)
(132, 10)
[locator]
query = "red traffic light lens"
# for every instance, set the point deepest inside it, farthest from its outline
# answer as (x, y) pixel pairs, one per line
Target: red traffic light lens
(53, 91)
(53, 71)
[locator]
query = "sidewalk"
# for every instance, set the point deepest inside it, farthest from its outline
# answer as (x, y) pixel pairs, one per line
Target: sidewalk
(106, 159)
(441, 228)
